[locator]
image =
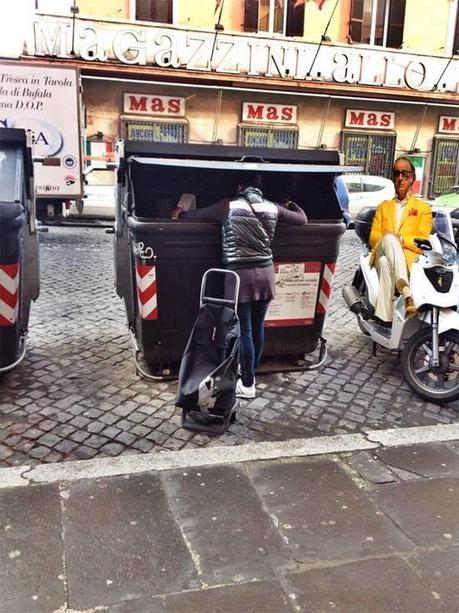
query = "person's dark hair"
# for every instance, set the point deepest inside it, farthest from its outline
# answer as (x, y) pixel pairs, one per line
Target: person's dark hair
(250, 179)
(408, 161)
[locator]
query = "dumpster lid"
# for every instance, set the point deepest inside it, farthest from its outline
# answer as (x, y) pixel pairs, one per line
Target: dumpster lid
(242, 165)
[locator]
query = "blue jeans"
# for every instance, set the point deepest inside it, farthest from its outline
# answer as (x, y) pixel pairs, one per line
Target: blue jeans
(251, 318)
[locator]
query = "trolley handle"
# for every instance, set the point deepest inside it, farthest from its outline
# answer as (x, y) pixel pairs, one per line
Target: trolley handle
(203, 298)
(224, 301)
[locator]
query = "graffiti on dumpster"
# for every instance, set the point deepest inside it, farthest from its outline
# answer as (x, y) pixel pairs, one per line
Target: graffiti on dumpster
(144, 253)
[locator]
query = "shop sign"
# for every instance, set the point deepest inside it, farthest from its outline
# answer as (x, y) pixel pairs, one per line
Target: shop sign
(146, 104)
(250, 56)
(448, 124)
(261, 111)
(374, 120)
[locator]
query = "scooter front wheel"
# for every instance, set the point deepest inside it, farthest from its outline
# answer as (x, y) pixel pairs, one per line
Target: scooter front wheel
(435, 383)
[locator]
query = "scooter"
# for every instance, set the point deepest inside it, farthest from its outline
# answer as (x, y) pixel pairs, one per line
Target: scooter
(429, 341)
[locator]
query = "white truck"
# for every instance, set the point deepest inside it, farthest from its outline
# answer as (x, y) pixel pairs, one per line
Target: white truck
(45, 100)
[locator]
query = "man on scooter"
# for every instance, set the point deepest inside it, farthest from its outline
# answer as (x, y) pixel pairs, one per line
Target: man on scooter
(396, 224)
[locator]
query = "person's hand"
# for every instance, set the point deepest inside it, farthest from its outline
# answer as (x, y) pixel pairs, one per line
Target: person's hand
(176, 212)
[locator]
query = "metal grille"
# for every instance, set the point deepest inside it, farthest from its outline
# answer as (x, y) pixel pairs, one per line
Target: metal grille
(156, 131)
(445, 165)
(375, 152)
(257, 136)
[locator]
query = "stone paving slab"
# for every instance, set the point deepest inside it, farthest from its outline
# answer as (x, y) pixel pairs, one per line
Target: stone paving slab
(380, 586)
(31, 555)
(425, 460)
(440, 569)
(77, 396)
(322, 514)
(225, 525)
(426, 510)
(122, 542)
(260, 596)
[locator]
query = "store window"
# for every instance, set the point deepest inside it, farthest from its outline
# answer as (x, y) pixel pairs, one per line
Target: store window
(445, 165)
(275, 16)
(377, 22)
(455, 50)
(374, 152)
(155, 131)
(154, 10)
(264, 136)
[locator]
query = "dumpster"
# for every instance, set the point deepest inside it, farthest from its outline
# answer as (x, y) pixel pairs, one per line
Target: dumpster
(19, 273)
(160, 262)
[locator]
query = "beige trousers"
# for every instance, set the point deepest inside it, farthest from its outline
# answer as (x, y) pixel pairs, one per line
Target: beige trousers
(390, 264)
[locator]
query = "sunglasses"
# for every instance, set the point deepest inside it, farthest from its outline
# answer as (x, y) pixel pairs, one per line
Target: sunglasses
(406, 174)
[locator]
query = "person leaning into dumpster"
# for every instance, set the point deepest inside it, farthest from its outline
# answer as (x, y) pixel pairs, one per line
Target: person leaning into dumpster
(396, 224)
(248, 225)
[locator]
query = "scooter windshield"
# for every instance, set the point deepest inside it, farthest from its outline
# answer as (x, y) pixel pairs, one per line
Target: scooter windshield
(442, 225)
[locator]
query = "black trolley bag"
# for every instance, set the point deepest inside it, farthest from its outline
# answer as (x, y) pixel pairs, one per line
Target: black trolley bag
(209, 367)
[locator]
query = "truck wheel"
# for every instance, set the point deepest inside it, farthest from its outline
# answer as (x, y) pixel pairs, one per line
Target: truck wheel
(437, 384)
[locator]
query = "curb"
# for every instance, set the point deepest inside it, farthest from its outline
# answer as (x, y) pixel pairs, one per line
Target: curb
(175, 460)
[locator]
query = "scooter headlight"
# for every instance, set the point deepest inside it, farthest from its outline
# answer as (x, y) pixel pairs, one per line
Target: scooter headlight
(449, 252)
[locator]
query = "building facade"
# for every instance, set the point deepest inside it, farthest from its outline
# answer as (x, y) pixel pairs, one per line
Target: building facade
(372, 78)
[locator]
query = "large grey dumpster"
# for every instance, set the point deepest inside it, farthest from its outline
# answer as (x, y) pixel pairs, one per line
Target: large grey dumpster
(19, 280)
(160, 262)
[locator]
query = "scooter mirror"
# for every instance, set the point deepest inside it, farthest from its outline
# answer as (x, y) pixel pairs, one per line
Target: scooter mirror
(423, 244)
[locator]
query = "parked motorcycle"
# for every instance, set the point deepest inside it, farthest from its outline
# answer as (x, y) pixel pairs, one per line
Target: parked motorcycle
(429, 341)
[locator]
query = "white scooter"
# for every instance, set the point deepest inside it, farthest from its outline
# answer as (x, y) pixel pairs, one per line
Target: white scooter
(429, 341)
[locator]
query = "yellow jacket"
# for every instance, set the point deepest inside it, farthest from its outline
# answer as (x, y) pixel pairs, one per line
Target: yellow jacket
(416, 222)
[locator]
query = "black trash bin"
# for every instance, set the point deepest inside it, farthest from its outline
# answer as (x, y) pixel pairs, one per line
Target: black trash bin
(160, 262)
(19, 282)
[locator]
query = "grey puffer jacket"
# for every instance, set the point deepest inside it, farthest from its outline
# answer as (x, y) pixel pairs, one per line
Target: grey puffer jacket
(248, 235)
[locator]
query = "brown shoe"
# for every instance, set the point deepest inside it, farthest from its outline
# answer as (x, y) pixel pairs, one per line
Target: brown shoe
(410, 307)
(404, 290)
(402, 287)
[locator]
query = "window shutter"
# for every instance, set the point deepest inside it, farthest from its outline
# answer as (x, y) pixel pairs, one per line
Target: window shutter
(356, 21)
(396, 23)
(295, 18)
(251, 15)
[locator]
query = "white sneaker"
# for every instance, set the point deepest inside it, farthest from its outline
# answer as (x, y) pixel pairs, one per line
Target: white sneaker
(243, 391)
(239, 374)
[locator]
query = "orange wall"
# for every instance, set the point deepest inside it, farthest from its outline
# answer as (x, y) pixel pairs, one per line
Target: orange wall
(105, 8)
(202, 14)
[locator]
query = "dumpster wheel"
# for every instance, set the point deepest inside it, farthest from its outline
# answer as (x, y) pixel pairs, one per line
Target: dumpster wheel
(22, 352)
(140, 370)
(301, 367)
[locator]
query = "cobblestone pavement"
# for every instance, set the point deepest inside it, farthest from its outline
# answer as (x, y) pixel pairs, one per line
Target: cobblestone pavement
(77, 396)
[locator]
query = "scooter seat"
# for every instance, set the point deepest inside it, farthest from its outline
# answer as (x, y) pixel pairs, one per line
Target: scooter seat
(363, 221)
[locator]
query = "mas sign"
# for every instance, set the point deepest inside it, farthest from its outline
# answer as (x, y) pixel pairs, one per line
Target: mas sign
(145, 104)
(374, 120)
(259, 111)
(448, 124)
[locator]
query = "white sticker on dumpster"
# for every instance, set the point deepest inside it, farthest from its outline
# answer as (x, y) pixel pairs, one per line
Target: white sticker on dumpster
(297, 284)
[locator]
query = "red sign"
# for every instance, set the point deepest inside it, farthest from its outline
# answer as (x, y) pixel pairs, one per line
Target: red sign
(145, 104)
(375, 120)
(448, 124)
(260, 111)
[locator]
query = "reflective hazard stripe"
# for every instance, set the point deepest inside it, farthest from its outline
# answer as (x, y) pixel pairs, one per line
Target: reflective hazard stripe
(9, 294)
(146, 291)
(325, 288)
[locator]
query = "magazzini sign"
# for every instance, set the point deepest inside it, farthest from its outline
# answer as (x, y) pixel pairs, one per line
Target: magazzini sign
(236, 54)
